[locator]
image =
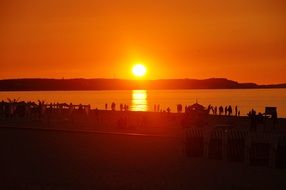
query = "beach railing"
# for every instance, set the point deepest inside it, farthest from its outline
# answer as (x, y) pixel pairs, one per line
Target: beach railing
(235, 144)
(280, 152)
(260, 148)
(194, 142)
(216, 144)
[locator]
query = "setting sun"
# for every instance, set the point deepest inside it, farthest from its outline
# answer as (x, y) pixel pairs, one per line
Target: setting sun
(139, 70)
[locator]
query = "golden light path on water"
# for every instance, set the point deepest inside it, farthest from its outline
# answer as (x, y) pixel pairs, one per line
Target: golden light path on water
(139, 100)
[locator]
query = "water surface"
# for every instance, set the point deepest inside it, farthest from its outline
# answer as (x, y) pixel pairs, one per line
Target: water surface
(144, 100)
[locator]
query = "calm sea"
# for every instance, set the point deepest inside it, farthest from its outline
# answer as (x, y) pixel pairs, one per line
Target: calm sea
(144, 100)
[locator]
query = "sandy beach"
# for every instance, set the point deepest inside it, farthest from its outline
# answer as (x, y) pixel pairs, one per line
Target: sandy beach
(148, 153)
(33, 159)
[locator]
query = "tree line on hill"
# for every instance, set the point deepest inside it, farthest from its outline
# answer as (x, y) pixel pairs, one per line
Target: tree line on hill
(122, 84)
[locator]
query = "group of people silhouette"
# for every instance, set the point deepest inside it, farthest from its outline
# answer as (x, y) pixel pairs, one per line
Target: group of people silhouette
(259, 118)
(157, 108)
(214, 110)
(21, 109)
(227, 110)
(13, 107)
(122, 107)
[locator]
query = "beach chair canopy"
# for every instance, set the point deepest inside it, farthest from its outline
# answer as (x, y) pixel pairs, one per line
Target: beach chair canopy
(270, 111)
(197, 107)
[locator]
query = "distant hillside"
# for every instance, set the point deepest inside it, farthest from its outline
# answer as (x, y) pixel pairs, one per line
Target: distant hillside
(119, 84)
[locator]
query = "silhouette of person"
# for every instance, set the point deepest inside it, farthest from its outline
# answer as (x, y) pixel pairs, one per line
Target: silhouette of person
(229, 110)
(113, 106)
(168, 110)
(210, 108)
(225, 110)
(220, 110)
(179, 108)
(215, 110)
(252, 115)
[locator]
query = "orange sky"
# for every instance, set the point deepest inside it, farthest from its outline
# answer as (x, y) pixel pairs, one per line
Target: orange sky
(242, 40)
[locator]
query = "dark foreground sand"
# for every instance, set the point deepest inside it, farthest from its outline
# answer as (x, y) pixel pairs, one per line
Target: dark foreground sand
(37, 159)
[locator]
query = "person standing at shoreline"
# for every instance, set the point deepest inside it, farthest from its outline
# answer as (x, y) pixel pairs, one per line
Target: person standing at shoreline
(113, 106)
(225, 110)
(220, 110)
(229, 110)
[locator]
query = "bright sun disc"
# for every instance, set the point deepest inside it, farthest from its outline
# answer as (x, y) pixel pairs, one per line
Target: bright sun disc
(139, 70)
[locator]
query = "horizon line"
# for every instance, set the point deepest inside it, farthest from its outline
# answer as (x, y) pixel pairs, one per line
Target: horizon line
(101, 78)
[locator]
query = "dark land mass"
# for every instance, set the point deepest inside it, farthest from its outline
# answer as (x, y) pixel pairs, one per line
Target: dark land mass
(121, 84)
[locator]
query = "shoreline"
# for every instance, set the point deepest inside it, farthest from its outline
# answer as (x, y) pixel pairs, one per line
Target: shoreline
(141, 121)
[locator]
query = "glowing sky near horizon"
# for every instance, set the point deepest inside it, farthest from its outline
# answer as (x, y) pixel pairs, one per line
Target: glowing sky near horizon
(241, 40)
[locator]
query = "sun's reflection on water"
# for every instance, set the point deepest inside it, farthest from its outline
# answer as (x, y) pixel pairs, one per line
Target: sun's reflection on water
(139, 100)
